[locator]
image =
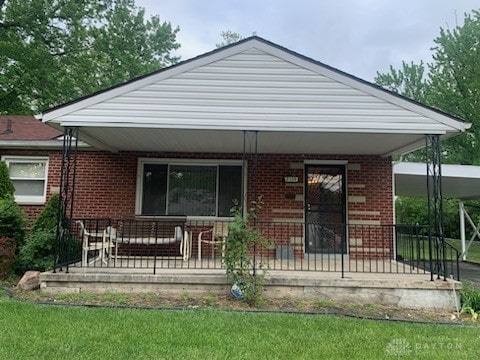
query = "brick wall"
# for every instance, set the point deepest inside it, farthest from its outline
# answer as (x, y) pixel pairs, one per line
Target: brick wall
(106, 184)
(105, 187)
(369, 187)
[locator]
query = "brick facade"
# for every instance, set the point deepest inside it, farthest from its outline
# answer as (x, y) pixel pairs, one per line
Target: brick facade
(105, 187)
(106, 184)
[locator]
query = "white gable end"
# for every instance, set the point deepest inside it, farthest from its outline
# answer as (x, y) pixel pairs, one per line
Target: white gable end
(252, 85)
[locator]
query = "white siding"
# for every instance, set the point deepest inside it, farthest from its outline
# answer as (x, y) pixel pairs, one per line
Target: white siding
(253, 90)
(297, 105)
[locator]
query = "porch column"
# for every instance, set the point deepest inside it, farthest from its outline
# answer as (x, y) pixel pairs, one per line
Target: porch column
(67, 191)
(253, 142)
(435, 206)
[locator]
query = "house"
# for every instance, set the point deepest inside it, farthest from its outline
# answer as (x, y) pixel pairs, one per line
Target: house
(26, 145)
(247, 120)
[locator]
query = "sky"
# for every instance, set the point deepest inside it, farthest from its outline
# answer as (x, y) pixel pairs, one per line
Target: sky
(359, 37)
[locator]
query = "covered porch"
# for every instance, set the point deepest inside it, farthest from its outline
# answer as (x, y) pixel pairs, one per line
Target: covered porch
(146, 246)
(248, 120)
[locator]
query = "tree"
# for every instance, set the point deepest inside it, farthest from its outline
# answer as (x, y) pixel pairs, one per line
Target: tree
(410, 81)
(455, 83)
(54, 51)
(229, 37)
(452, 84)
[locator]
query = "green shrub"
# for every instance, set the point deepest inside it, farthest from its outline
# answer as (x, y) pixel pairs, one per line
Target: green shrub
(411, 210)
(470, 299)
(38, 251)
(12, 221)
(240, 241)
(7, 256)
(470, 296)
(6, 186)
(48, 218)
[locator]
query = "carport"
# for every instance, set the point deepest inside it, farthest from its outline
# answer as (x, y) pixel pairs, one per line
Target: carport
(457, 181)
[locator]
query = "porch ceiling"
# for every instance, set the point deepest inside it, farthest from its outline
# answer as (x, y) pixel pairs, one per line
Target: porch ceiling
(230, 141)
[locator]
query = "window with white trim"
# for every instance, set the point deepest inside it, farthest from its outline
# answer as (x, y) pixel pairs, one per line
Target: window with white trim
(29, 177)
(192, 188)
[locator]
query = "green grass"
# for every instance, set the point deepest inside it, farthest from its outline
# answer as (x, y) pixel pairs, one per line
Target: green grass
(409, 252)
(473, 253)
(31, 331)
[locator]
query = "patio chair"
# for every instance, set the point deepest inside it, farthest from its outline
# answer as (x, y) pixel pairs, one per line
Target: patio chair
(218, 237)
(94, 241)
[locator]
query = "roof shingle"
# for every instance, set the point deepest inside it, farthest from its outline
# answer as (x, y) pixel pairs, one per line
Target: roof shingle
(26, 128)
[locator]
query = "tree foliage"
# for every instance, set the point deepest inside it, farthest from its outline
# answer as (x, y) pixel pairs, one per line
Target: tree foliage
(455, 85)
(54, 51)
(414, 210)
(48, 218)
(6, 185)
(38, 251)
(12, 221)
(228, 37)
(409, 81)
(451, 84)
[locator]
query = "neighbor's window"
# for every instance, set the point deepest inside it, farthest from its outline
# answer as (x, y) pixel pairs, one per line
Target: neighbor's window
(29, 177)
(189, 189)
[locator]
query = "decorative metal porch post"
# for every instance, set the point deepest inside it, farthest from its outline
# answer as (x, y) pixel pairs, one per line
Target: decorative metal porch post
(67, 190)
(435, 206)
(255, 198)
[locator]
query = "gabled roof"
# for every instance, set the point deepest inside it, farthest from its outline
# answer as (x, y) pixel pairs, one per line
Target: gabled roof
(252, 85)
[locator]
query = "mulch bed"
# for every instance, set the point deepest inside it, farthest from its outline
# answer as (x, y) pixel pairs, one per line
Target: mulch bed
(188, 301)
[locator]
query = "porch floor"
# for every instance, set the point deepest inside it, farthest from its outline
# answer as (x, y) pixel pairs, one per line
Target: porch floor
(326, 263)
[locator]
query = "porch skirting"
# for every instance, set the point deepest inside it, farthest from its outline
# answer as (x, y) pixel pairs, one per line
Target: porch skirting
(406, 291)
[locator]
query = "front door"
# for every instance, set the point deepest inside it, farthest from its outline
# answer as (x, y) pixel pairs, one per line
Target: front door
(325, 208)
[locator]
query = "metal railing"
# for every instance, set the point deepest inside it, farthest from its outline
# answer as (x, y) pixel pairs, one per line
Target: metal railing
(149, 244)
(415, 248)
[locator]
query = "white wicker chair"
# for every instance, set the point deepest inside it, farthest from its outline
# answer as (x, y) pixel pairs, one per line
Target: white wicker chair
(94, 241)
(219, 233)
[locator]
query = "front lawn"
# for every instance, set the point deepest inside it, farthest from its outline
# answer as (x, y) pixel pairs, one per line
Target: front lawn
(473, 254)
(61, 332)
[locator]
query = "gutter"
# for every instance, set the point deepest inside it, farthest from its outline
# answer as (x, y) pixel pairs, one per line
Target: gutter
(37, 145)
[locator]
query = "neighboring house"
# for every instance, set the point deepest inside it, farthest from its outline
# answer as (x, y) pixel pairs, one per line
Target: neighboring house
(28, 147)
(249, 119)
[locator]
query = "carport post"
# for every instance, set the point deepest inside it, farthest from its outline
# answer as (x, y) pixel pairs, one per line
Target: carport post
(462, 229)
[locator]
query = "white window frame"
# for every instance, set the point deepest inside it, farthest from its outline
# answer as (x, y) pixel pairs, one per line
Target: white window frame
(192, 162)
(29, 199)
